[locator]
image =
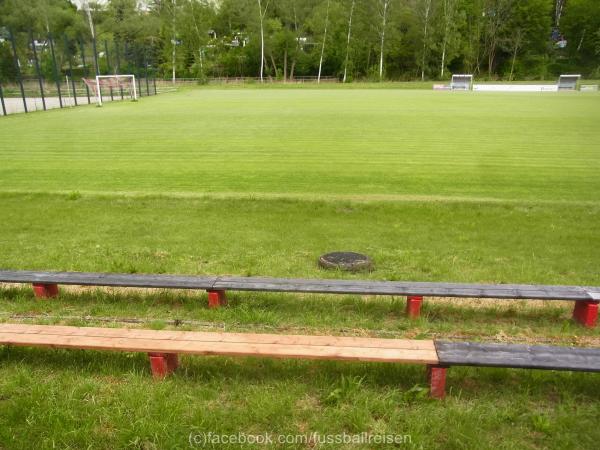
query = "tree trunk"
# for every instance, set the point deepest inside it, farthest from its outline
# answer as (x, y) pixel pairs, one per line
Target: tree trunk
(443, 59)
(512, 64)
(297, 48)
(445, 40)
(262, 37)
(348, 41)
(323, 46)
(285, 65)
(517, 45)
(425, 26)
(581, 40)
(274, 65)
(199, 39)
(174, 39)
(384, 19)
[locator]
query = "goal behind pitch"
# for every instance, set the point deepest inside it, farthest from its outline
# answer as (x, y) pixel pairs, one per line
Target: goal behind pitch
(568, 82)
(113, 85)
(461, 82)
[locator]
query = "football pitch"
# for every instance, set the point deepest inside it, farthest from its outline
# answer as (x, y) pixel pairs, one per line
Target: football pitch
(357, 144)
(434, 186)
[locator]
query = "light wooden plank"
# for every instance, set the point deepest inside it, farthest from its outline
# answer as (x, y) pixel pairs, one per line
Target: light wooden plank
(131, 333)
(221, 348)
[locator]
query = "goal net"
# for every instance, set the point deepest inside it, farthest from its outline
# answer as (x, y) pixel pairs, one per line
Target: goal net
(461, 82)
(568, 82)
(112, 86)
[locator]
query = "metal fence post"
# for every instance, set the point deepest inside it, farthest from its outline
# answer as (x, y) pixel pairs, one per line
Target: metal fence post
(85, 70)
(95, 55)
(68, 52)
(118, 61)
(154, 81)
(17, 67)
(146, 73)
(37, 69)
(55, 70)
(2, 101)
(110, 89)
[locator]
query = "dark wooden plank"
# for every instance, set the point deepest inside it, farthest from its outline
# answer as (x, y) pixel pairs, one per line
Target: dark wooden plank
(594, 292)
(518, 356)
(403, 288)
(109, 279)
(359, 287)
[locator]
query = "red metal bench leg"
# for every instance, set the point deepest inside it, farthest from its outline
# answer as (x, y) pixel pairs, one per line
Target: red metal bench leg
(586, 313)
(436, 376)
(413, 306)
(163, 364)
(216, 299)
(42, 290)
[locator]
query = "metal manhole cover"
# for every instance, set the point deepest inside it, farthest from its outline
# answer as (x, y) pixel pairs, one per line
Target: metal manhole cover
(349, 261)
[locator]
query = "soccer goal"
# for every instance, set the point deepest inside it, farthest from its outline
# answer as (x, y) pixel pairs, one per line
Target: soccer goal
(113, 85)
(568, 82)
(461, 82)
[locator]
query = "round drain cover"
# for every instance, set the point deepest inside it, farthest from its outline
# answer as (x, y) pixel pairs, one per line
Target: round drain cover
(349, 261)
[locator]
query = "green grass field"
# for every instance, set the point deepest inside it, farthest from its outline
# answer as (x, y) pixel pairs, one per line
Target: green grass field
(436, 186)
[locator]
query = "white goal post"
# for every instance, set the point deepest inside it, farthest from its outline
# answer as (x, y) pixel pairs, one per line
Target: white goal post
(461, 82)
(568, 82)
(122, 82)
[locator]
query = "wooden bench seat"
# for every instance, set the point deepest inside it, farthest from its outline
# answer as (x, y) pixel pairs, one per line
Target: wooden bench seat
(586, 298)
(518, 356)
(226, 344)
(163, 348)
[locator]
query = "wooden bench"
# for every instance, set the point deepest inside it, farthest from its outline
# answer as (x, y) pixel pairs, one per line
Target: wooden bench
(163, 348)
(586, 299)
(518, 356)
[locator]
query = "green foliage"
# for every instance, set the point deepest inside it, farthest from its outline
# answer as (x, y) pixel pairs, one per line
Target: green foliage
(7, 66)
(581, 24)
(346, 388)
(427, 39)
(75, 195)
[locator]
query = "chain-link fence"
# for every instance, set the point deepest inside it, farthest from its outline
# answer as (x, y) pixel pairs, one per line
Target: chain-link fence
(45, 72)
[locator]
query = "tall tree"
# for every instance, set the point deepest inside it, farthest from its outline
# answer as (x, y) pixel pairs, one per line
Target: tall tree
(527, 28)
(173, 38)
(323, 43)
(425, 19)
(262, 13)
(352, 3)
(580, 24)
(383, 13)
(450, 19)
(496, 15)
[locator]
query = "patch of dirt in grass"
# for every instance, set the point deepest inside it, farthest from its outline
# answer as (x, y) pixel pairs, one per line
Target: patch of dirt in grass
(308, 403)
